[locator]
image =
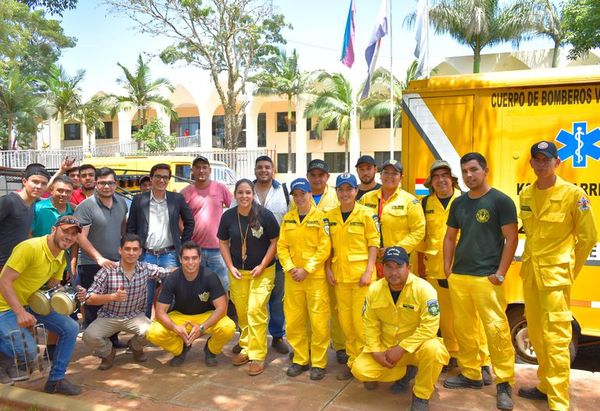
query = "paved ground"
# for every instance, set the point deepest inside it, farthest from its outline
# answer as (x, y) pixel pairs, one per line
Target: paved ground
(156, 386)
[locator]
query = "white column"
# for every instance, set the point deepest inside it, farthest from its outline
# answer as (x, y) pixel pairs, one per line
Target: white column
(85, 137)
(55, 141)
(354, 145)
(301, 138)
(124, 126)
(205, 129)
(165, 120)
(251, 124)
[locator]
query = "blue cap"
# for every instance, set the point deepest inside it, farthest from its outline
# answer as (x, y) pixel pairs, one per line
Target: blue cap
(396, 254)
(300, 184)
(346, 179)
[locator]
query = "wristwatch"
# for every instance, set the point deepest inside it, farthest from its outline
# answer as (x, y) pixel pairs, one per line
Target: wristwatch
(202, 329)
(500, 277)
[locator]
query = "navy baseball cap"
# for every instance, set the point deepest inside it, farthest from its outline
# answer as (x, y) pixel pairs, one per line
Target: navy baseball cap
(396, 254)
(547, 148)
(346, 179)
(365, 160)
(200, 159)
(318, 164)
(300, 184)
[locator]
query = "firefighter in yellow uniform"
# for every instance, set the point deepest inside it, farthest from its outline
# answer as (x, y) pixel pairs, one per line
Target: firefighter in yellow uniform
(401, 320)
(560, 233)
(303, 247)
(400, 214)
(351, 267)
(325, 199)
(443, 185)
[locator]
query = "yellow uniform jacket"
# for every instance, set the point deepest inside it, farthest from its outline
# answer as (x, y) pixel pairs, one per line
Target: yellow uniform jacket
(560, 236)
(328, 200)
(401, 222)
(410, 322)
(304, 244)
(433, 243)
(350, 241)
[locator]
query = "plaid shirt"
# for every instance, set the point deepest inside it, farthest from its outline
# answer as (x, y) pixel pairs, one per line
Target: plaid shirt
(108, 281)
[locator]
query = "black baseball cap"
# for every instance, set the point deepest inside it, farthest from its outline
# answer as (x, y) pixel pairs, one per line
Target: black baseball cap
(318, 164)
(547, 148)
(396, 164)
(200, 159)
(366, 160)
(396, 254)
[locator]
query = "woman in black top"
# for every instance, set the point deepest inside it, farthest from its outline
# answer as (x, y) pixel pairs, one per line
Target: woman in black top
(248, 242)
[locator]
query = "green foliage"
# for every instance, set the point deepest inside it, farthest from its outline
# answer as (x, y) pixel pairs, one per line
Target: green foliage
(142, 93)
(231, 37)
(52, 6)
(582, 23)
(548, 21)
(64, 95)
(153, 137)
(93, 112)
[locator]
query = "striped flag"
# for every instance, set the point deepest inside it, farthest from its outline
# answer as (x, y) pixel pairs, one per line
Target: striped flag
(381, 29)
(348, 46)
(420, 189)
(421, 36)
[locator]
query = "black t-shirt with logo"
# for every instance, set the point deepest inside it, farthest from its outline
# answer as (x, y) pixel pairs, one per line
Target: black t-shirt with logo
(480, 222)
(191, 297)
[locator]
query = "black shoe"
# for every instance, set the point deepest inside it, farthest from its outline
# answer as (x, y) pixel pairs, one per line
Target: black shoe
(177, 360)
(486, 374)
(345, 374)
(452, 364)
(280, 345)
(295, 370)
(460, 381)
(400, 386)
(210, 359)
(341, 357)
(291, 356)
(370, 385)
(63, 386)
(419, 404)
(317, 373)
(532, 393)
(504, 396)
(236, 349)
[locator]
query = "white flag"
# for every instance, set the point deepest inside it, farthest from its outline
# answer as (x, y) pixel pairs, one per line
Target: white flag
(421, 36)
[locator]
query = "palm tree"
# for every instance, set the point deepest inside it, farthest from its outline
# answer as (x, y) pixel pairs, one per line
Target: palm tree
(282, 77)
(64, 95)
(481, 23)
(378, 102)
(93, 112)
(142, 92)
(549, 21)
(19, 105)
(333, 102)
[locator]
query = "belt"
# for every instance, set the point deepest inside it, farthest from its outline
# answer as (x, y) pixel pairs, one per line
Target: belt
(160, 251)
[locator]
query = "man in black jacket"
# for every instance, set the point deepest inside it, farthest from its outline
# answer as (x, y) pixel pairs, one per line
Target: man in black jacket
(154, 216)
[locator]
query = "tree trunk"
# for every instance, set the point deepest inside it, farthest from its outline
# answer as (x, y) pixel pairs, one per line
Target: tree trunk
(346, 150)
(289, 127)
(476, 61)
(555, 54)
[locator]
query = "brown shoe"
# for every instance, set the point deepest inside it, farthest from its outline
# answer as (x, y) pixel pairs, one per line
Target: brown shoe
(345, 374)
(240, 359)
(256, 367)
(138, 355)
(107, 362)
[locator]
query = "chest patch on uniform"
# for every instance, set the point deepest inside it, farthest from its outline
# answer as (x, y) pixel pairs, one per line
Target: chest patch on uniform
(289, 221)
(397, 207)
(433, 307)
(257, 232)
(359, 223)
(525, 208)
(204, 296)
(583, 204)
(482, 215)
(408, 306)
(429, 211)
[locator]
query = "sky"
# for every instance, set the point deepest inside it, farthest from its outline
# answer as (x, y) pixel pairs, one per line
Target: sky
(104, 38)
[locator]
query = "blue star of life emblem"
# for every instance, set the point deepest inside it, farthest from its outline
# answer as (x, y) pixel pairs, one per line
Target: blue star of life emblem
(579, 144)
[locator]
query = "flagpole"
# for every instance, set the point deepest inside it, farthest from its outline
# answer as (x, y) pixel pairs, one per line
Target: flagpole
(391, 81)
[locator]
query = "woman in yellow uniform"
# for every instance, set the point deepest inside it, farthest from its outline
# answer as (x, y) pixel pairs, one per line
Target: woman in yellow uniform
(303, 247)
(248, 241)
(351, 267)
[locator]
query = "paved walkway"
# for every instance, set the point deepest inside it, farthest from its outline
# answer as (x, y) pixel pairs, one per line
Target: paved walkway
(154, 385)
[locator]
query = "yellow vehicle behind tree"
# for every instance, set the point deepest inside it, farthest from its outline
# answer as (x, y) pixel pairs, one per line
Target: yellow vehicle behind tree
(501, 115)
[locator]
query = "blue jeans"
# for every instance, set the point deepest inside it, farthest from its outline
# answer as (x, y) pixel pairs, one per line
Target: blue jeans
(65, 327)
(211, 259)
(167, 260)
(276, 318)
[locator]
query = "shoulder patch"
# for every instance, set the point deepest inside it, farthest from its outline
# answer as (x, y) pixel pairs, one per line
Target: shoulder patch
(377, 223)
(415, 201)
(433, 307)
(583, 203)
(326, 226)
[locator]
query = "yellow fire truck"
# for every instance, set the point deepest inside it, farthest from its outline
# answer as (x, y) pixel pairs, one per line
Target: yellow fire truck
(501, 115)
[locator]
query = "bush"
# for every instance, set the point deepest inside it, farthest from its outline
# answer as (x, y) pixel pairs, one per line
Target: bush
(153, 137)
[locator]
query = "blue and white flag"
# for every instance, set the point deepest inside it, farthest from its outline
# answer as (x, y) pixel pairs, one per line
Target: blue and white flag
(381, 29)
(421, 36)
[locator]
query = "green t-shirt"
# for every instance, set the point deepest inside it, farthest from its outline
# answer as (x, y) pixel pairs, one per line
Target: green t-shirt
(480, 223)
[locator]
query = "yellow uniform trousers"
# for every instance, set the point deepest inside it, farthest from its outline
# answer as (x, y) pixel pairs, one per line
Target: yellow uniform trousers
(251, 297)
(429, 358)
(306, 304)
(350, 302)
(472, 296)
(447, 324)
(549, 326)
(220, 333)
(338, 339)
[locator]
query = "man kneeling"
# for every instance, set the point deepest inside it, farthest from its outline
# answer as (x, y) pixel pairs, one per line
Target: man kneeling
(122, 292)
(199, 307)
(401, 318)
